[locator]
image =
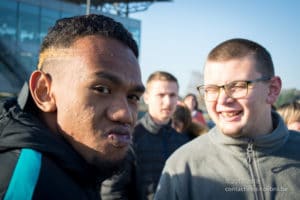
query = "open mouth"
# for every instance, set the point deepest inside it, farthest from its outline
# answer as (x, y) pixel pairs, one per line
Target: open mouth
(230, 116)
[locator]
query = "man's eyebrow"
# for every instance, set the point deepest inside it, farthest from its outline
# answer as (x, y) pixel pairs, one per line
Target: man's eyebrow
(118, 81)
(139, 88)
(109, 77)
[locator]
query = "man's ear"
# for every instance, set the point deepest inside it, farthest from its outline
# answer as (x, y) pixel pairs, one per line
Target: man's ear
(274, 90)
(40, 88)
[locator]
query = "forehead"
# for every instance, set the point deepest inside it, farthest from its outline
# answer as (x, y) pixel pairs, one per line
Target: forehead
(103, 50)
(159, 86)
(221, 72)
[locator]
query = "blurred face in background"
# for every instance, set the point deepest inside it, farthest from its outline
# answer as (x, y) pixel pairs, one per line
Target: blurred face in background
(290, 112)
(294, 126)
(161, 98)
(190, 102)
(181, 118)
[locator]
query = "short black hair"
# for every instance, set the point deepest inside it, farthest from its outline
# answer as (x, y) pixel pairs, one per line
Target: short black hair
(67, 30)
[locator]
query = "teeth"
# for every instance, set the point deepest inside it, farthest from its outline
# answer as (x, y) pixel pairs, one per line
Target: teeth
(229, 114)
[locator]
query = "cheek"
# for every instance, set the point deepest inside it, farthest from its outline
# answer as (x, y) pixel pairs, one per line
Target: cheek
(157, 102)
(253, 105)
(67, 101)
(66, 112)
(211, 108)
(76, 118)
(174, 101)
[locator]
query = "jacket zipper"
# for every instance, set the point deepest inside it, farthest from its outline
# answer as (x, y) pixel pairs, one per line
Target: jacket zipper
(256, 182)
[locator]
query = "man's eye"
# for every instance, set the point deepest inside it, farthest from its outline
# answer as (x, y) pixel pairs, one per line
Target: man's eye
(211, 89)
(238, 85)
(102, 89)
(134, 98)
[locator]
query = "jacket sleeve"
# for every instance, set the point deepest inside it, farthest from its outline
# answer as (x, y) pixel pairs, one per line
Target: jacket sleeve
(121, 185)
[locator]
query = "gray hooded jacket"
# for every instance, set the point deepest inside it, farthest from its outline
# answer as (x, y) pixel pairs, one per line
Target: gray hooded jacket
(215, 166)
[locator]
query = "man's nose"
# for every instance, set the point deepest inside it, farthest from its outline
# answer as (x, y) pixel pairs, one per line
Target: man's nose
(223, 97)
(169, 100)
(120, 111)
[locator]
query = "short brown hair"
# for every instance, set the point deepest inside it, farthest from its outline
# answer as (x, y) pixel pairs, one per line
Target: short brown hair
(162, 76)
(238, 48)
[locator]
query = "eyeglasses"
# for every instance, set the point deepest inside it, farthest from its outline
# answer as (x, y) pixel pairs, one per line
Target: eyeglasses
(234, 89)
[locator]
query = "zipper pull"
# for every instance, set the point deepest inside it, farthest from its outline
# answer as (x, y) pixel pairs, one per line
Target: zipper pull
(249, 151)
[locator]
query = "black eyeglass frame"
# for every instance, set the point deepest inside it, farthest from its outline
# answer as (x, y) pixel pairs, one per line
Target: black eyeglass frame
(226, 86)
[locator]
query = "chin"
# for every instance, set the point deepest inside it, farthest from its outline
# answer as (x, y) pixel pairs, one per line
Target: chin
(235, 133)
(118, 155)
(110, 165)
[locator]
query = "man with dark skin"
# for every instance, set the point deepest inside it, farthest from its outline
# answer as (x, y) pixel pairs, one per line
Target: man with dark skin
(80, 113)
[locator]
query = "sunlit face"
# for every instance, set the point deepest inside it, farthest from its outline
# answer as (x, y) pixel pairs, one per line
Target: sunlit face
(97, 94)
(246, 116)
(161, 98)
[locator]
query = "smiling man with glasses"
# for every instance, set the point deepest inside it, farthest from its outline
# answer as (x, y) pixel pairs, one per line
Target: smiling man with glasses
(250, 154)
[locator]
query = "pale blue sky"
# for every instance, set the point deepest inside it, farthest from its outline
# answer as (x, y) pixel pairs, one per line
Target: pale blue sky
(177, 36)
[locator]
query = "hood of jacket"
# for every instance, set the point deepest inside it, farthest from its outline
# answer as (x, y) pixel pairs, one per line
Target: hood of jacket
(151, 126)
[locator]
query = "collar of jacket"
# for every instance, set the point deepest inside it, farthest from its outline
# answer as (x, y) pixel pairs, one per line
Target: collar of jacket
(23, 95)
(264, 143)
(152, 127)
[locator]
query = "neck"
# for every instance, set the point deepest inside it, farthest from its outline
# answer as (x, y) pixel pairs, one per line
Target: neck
(160, 121)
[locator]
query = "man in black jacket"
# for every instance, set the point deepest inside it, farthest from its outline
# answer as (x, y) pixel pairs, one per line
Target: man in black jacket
(70, 129)
(154, 140)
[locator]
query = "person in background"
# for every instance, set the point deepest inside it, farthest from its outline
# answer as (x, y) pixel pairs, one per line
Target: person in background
(290, 112)
(72, 127)
(181, 118)
(182, 122)
(192, 103)
(154, 140)
(250, 153)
